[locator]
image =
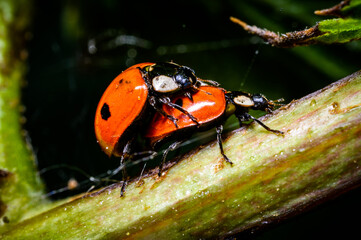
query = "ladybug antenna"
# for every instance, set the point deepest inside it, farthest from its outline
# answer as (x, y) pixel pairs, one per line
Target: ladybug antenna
(198, 89)
(277, 102)
(208, 82)
(272, 103)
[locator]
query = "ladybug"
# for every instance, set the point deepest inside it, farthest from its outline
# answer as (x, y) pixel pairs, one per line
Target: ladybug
(211, 106)
(125, 102)
(133, 96)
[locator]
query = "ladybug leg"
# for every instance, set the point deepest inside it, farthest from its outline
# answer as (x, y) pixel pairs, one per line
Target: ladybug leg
(241, 116)
(219, 130)
(124, 180)
(264, 126)
(171, 147)
(139, 183)
(170, 117)
(189, 95)
(149, 154)
(176, 106)
(154, 103)
(125, 155)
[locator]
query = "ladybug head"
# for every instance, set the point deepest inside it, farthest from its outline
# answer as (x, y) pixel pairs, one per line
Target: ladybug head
(253, 101)
(185, 77)
(170, 77)
(262, 103)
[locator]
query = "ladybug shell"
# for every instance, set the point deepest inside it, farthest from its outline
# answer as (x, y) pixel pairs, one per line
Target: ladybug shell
(121, 106)
(209, 105)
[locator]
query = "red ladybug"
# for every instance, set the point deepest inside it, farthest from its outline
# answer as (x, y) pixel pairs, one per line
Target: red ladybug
(124, 104)
(211, 106)
(133, 95)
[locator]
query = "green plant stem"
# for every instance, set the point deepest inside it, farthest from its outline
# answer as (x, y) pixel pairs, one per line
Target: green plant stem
(201, 196)
(20, 186)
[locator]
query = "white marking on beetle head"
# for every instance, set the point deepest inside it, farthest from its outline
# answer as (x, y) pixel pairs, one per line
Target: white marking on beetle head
(243, 101)
(164, 84)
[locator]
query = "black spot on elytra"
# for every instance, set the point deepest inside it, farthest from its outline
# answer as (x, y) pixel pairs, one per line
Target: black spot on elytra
(127, 81)
(121, 81)
(104, 112)
(179, 102)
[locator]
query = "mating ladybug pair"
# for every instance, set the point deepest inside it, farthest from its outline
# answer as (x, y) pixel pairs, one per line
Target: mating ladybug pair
(166, 102)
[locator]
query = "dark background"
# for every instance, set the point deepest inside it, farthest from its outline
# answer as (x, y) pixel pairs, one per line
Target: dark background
(77, 48)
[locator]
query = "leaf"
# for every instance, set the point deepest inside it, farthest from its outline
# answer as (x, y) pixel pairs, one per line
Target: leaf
(272, 178)
(340, 30)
